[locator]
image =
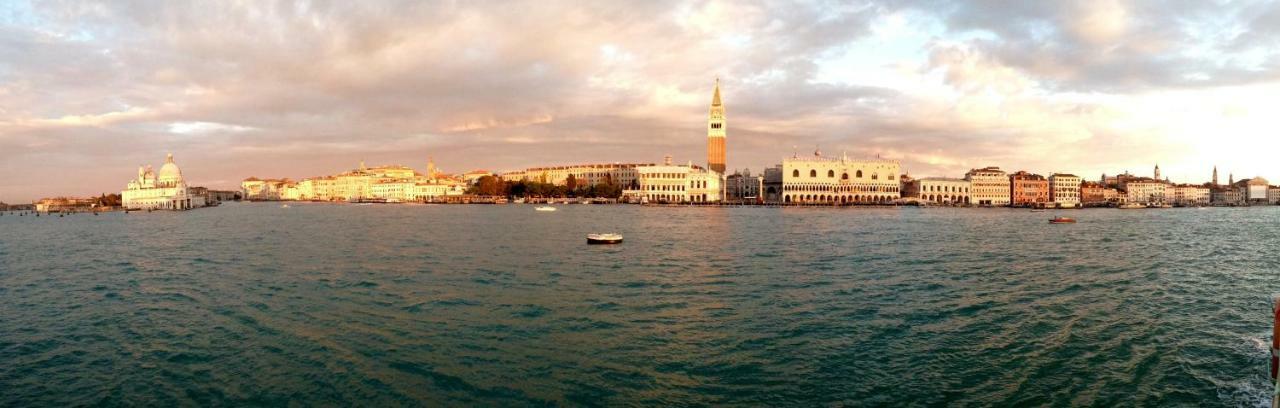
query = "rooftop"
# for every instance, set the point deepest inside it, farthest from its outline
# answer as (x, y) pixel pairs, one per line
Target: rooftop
(589, 165)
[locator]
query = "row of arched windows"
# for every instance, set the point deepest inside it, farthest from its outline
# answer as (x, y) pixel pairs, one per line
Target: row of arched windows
(661, 187)
(843, 176)
(947, 198)
(835, 199)
(841, 188)
(944, 189)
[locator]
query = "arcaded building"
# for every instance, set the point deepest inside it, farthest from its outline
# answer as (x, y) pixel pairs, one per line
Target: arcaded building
(675, 183)
(824, 180)
(939, 190)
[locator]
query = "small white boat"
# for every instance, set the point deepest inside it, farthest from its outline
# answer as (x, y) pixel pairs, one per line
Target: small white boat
(545, 208)
(597, 239)
(284, 205)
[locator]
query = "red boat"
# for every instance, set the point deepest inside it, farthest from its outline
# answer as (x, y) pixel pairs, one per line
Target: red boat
(1062, 220)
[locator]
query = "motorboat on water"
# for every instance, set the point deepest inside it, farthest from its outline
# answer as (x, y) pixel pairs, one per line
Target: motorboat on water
(1131, 206)
(284, 205)
(1037, 210)
(545, 208)
(1062, 220)
(598, 239)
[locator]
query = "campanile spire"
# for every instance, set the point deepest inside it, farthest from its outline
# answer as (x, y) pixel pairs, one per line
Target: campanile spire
(716, 133)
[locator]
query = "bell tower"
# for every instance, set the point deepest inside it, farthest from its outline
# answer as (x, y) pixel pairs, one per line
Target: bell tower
(716, 133)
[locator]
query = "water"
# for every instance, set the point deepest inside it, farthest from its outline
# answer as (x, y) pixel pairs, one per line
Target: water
(384, 305)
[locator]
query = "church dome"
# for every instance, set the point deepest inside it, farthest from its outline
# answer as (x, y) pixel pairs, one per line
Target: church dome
(169, 175)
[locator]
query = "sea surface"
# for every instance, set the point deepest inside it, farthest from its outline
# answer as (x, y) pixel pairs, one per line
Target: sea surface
(499, 305)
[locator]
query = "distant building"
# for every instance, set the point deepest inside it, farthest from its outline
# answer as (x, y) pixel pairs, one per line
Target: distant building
(823, 180)
(671, 183)
(742, 187)
(471, 177)
(1064, 190)
(1187, 195)
(621, 174)
(1227, 196)
(1122, 180)
(773, 184)
(255, 189)
(939, 190)
(1028, 190)
(1145, 191)
(392, 183)
(1112, 195)
(1255, 190)
(1273, 195)
(164, 191)
(65, 204)
(1093, 194)
(222, 196)
(989, 187)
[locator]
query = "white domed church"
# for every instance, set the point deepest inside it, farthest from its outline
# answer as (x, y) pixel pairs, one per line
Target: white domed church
(165, 191)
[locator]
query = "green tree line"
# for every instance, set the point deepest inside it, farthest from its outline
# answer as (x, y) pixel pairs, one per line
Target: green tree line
(495, 186)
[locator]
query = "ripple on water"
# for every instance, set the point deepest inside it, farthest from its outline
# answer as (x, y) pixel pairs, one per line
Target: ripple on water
(485, 306)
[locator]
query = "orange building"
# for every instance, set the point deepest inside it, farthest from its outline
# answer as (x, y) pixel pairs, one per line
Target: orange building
(1092, 193)
(1028, 190)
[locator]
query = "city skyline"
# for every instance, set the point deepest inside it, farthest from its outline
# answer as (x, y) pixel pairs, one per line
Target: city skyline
(298, 90)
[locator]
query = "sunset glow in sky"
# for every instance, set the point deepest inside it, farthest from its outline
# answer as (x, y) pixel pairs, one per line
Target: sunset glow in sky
(88, 91)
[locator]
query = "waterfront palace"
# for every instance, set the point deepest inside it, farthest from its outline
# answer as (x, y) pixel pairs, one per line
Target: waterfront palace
(392, 183)
(164, 191)
(823, 180)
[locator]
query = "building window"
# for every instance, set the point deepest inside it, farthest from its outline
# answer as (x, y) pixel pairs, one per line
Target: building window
(875, 176)
(844, 176)
(831, 173)
(813, 173)
(795, 173)
(859, 174)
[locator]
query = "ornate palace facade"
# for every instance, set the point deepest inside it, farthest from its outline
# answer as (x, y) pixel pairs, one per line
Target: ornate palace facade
(164, 191)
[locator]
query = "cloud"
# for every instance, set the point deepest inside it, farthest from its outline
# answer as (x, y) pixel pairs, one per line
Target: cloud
(88, 90)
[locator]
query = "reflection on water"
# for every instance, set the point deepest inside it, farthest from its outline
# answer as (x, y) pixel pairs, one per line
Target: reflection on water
(501, 305)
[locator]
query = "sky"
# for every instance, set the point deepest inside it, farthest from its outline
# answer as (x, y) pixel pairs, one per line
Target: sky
(89, 91)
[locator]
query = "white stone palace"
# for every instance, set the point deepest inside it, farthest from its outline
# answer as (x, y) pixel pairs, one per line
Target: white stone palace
(164, 191)
(823, 180)
(674, 183)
